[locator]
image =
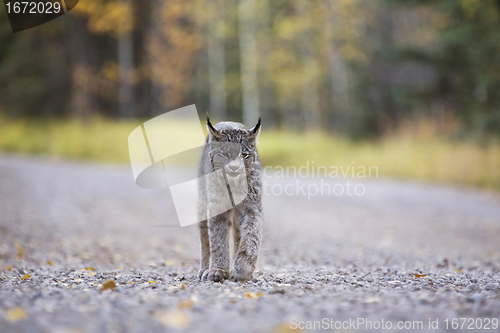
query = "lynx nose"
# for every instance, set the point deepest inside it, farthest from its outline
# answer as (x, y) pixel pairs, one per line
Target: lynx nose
(233, 168)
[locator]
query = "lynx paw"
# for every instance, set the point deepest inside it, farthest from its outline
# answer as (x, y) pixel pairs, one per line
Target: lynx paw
(241, 275)
(216, 275)
(201, 272)
(243, 270)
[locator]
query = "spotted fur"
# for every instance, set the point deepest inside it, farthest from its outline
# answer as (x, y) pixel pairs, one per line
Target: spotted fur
(232, 148)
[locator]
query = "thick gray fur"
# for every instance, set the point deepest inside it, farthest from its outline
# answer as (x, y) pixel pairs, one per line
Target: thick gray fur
(233, 148)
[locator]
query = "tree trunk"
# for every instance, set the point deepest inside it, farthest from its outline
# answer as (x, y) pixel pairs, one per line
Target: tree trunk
(248, 61)
(310, 110)
(216, 60)
(126, 65)
(83, 102)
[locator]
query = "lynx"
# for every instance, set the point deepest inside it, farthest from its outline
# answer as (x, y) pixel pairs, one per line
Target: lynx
(230, 148)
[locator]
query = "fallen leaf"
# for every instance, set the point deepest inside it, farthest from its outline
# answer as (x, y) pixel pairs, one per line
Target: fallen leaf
(20, 251)
(174, 319)
(152, 281)
(15, 314)
(254, 295)
(285, 328)
(90, 268)
(9, 268)
(420, 275)
(170, 262)
(120, 268)
(92, 274)
(50, 262)
(185, 304)
(130, 282)
(183, 286)
(459, 271)
(110, 284)
(27, 276)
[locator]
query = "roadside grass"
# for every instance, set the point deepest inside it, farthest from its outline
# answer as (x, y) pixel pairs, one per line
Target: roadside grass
(407, 154)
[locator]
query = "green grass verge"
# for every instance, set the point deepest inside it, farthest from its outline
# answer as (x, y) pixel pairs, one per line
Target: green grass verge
(403, 155)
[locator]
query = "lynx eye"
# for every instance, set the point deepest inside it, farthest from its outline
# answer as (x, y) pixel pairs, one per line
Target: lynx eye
(225, 155)
(245, 155)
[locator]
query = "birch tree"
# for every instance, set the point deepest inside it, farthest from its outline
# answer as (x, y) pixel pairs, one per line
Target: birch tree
(248, 60)
(216, 59)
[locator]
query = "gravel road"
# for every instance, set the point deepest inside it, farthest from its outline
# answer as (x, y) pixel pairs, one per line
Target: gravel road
(401, 254)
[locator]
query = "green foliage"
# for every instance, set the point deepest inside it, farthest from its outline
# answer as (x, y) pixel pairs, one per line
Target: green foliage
(466, 57)
(352, 67)
(416, 153)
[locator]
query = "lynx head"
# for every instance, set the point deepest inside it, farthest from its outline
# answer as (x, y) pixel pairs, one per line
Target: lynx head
(232, 147)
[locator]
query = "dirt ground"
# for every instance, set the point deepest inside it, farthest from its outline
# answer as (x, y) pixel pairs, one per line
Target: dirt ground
(402, 254)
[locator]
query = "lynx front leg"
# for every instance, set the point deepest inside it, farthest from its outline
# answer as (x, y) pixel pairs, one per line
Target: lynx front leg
(250, 224)
(218, 234)
(205, 249)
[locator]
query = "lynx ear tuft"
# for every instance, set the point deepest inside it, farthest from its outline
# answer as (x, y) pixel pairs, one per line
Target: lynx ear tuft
(213, 132)
(254, 132)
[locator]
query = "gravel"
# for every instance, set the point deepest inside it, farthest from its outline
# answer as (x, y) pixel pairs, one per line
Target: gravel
(402, 252)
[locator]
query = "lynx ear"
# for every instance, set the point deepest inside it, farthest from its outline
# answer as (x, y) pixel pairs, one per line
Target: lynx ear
(213, 132)
(254, 132)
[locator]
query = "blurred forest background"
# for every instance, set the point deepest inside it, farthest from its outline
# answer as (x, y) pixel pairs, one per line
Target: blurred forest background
(412, 86)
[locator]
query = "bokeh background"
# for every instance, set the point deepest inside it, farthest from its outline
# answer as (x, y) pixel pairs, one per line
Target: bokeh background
(410, 86)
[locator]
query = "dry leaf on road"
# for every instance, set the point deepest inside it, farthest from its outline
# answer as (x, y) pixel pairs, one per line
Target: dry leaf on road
(110, 284)
(254, 295)
(15, 314)
(185, 304)
(173, 319)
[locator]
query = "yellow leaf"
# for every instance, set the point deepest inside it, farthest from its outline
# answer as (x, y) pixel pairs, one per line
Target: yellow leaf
(285, 328)
(15, 314)
(50, 262)
(130, 282)
(90, 268)
(254, 295)
(27, 276)
(9, 268)
(110, 284)
(152, 281)
(170, 262)
(92, 274)
(120, 268)
(185, 304)
(459, 271)
(420, 275)
(174, 319)
(20, 251)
